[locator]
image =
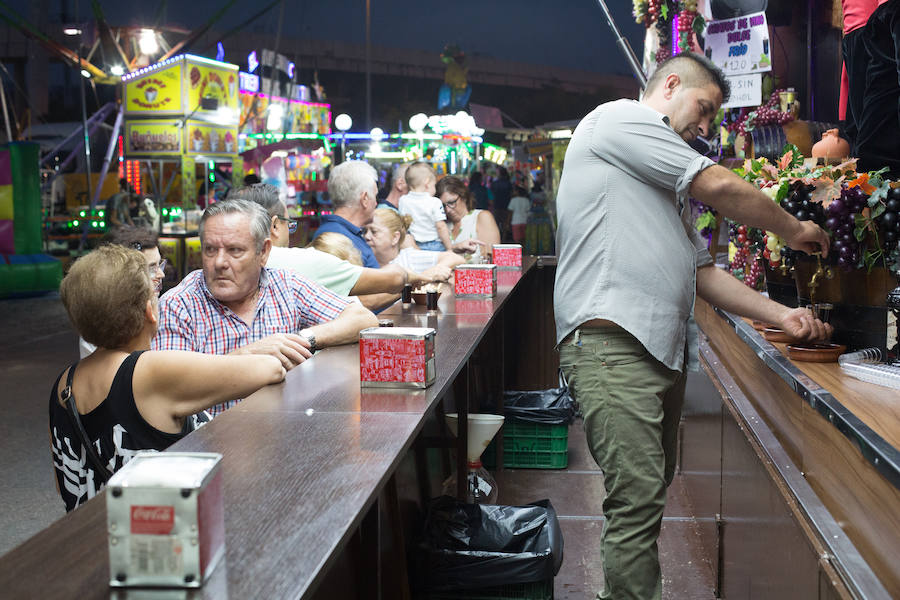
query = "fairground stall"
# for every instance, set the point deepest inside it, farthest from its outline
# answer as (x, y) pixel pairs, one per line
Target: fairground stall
(285, 142)
(181, 145)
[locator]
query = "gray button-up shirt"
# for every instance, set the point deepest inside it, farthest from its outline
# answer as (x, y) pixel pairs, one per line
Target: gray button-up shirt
(628, 251)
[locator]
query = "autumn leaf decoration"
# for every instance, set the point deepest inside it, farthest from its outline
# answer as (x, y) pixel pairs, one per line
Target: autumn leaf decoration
(785, 161)
(827, 189)
(863, 183)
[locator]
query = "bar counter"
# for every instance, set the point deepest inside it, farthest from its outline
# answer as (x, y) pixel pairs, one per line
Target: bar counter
(829, 442)
(304, 463)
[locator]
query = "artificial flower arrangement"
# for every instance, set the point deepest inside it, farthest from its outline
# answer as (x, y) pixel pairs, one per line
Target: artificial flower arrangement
(859, 211)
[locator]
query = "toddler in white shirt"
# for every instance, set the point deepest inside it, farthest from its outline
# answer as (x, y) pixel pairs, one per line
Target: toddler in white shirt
(429, 222)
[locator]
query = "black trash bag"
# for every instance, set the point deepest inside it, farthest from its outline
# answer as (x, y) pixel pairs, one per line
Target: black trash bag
(549, 407)
(472, 546)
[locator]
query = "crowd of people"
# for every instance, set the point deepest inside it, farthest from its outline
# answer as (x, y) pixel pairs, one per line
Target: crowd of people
(258, 308)
(153, 368)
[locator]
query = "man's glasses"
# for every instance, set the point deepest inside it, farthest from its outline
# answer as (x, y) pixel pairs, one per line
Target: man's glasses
(159, 267)
(292, 224)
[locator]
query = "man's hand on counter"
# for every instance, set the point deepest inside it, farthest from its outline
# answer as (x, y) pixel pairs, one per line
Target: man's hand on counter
(801, 324)
(289, 348)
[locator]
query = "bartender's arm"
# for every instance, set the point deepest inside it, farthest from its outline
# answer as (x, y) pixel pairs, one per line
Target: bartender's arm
(742, 201)
(720, 289)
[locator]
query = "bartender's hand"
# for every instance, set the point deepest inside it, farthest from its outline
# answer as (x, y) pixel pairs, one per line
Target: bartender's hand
(809, 238)
(801, 324)
(291, 349)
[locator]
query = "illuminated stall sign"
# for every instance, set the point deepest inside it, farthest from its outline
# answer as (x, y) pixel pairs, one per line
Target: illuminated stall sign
(203, 138)
(184, 85)
(158, 92)
(153, 137)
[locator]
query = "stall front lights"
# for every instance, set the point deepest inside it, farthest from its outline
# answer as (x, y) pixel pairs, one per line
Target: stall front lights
(100, 214)
(81, 214)
(75, 223)
(102, 224)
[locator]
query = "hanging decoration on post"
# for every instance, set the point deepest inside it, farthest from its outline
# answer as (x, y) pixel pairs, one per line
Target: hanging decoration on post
(677, 24)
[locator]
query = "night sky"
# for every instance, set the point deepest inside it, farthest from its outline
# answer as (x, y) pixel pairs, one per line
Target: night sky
(563, 33)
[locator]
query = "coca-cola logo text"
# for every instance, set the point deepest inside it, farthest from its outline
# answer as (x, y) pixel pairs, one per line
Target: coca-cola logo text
(154, 520)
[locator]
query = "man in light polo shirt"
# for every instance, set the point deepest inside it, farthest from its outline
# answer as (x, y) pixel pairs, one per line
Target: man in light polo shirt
(630, 266)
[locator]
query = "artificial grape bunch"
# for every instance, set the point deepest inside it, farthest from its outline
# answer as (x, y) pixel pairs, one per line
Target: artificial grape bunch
(799, 203)
(767, 114)
(746, 253)
(686, 28)
(645, 12)
(845, 248)
(774, 249)
(889, 222)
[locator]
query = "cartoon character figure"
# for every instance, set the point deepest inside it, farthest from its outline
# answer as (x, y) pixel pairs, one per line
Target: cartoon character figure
(455, 91)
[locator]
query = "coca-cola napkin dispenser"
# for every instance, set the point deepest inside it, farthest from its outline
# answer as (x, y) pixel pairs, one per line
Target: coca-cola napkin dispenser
(165, 520)
(507, 256)
(396, 357)
(475, 281)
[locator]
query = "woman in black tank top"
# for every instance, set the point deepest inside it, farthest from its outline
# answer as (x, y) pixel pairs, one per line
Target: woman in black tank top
(125, 397)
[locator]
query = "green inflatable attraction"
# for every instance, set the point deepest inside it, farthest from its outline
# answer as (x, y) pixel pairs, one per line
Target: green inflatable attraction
(24, 269)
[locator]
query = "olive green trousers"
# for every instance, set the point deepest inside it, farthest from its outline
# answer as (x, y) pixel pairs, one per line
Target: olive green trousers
(632, 405)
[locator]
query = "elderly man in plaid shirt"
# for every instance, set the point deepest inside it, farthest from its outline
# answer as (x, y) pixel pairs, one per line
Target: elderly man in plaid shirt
(237, 306)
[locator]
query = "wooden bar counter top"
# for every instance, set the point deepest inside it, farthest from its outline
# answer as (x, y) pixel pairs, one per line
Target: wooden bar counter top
(303, 463)
(843, 434)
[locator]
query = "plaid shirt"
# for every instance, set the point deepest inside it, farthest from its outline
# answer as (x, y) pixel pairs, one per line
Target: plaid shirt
(190, 318)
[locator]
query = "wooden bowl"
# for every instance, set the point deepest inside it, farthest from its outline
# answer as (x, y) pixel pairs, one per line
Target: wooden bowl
(761, 326)
(773, 334)
(422, 298)
(821, 352)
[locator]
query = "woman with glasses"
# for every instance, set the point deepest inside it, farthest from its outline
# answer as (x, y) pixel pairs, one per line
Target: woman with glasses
(465, 221)
(125, 397)
(147, 242)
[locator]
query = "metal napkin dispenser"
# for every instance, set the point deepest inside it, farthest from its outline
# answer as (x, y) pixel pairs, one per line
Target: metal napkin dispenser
(475, 281)
(396, 357)
(165, 520)
(507, 256)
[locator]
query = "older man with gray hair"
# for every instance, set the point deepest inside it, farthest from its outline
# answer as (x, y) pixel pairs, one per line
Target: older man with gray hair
(235, 305)
(352, 187)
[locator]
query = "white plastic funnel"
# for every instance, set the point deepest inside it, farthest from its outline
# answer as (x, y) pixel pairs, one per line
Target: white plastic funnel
(482, 429)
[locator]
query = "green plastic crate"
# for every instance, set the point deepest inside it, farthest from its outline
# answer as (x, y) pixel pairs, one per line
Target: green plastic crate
(531, 446)
(542, 590)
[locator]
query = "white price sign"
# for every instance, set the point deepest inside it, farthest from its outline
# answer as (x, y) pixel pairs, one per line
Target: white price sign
(739, 45)
(746, 90)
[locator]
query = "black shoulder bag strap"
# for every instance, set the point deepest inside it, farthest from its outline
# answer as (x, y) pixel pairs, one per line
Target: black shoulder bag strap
(69, 398)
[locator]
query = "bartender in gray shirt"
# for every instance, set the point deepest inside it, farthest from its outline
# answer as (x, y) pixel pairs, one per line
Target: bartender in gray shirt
(630, 264)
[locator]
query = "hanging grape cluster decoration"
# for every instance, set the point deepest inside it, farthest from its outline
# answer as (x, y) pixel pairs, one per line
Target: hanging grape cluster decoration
(661, 14)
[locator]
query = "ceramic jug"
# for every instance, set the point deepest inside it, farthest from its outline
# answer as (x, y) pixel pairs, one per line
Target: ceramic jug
(831, 146)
